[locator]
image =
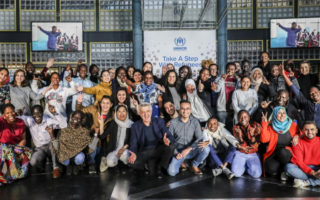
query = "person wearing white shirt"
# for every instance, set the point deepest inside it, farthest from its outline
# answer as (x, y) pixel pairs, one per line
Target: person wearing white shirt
(57, 95)
(38, 125)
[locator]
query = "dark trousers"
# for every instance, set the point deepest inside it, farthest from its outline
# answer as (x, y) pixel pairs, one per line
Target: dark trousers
(277, 161)
(156, 158)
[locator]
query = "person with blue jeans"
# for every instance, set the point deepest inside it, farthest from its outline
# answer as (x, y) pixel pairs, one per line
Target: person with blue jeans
(189, 142)
(73, 141)
(246, 158)
(222, 146)
(305, 166)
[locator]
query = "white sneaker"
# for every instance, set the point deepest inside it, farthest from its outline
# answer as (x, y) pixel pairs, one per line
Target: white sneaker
(299, 183)
(284, 176)
(216, 171)
(103, 164)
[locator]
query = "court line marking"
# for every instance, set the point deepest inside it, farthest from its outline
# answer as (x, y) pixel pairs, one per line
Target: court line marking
(171, 186)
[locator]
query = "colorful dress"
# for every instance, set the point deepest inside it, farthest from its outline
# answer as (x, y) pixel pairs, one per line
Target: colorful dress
(14, 159)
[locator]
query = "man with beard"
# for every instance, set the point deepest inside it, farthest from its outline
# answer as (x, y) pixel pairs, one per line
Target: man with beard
(170, 111)
(281, 100)
(38, 125)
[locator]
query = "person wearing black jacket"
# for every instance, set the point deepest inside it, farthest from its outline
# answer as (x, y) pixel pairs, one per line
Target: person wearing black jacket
(171, 92)
(305, 79)
(115, 139)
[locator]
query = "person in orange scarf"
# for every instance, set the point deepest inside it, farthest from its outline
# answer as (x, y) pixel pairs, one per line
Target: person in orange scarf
(280, 132)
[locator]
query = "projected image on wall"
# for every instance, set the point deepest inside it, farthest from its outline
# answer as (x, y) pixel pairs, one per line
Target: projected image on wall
(295, 33)
(63, 36)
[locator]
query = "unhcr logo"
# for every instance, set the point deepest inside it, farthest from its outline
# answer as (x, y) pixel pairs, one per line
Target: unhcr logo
(179, 44)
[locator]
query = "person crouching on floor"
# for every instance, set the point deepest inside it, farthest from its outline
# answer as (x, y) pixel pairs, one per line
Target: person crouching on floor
(246, 157)
(38, 125)
(305, 166)
(222, 146)
(73, 141)
(189, 144)
(115, 139)
(151, 142)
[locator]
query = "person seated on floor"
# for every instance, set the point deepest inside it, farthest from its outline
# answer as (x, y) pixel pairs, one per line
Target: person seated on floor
(169, 111)
(118, 134)
(189, 144)
(151, 142)
(305, 166)
(246, 158)
(38, 123)
(279, 132)
(14, 156)
(222, 146)
(74, 141)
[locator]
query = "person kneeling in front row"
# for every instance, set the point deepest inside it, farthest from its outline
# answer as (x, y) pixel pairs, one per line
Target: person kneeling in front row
(150, 142)
(305, 166)
(189, 142)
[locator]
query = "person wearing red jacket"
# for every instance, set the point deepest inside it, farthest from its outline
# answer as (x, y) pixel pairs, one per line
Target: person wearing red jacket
(305, 166)
(279, 135)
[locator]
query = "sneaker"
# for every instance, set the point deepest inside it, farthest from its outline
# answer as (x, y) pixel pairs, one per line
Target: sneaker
(103, 164)
(217, 171)
(228, 173)
(75, 169)
(299, 183)
(284, 176)
(69, 170)
(92, 169)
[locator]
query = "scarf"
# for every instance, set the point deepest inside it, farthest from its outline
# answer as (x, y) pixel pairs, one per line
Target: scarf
(147, 90)
(124, 85)
(72, 141)
(280, 127)
(256, 83)
(215, 137)
(122, 129)
(198, 108)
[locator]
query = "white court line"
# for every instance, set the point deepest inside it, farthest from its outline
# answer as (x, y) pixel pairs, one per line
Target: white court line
(170, 186)
(120, 190)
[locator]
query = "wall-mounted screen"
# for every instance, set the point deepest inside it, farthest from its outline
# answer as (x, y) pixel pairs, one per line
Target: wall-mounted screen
(295, 33)
(57, 36)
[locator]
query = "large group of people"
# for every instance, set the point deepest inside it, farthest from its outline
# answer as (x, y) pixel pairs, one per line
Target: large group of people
(259, 121)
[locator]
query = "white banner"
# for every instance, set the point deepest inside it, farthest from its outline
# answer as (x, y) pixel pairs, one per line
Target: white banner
(179, 48)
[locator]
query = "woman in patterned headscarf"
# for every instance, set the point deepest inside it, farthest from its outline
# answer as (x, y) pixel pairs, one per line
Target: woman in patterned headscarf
(73, 141)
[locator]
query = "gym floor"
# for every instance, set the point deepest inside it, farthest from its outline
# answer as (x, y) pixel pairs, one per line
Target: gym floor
(124, 184)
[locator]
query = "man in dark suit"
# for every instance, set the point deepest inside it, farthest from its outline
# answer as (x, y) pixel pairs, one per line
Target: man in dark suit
(151, 142)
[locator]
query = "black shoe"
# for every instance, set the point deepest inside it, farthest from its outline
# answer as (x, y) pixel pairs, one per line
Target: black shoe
(69, 170)
(75, 170)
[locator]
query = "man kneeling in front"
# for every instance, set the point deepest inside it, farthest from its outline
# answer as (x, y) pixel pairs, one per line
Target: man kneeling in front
(189, 142)
(305, 166)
